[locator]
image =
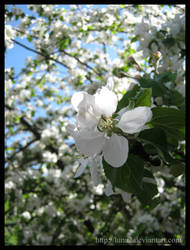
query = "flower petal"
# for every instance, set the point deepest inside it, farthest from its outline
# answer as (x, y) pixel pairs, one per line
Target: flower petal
(90, 142)
(86, 119)
(134, 120)
(105, 102)
(126, 196)
(82, 101)
(72, 130)
(110, 83)
(81, 168)
(109, 189)
(116, 150)
(76, 99)
(95, 177)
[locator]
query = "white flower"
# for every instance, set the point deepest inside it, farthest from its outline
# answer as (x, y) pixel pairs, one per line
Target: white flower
(9, 35)
(10, 185)
(26, 215)
(49, 157)
(82, 167)
(94, 132)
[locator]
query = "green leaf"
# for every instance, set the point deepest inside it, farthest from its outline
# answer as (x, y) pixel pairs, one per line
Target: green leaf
(144, 98)
(32, 113)
(153, 203)
(129, 95)
(32, 92)
(166, 77)
(83, 31)
(48, 93)
(29, 38)
(176, 99)
(41, 81)
(127, 177)
(7, 205)
(157, 138)
(89, 27)
(125, 68)
(29, 73)
(157, 84)
(134, 39)
(149, 189)
(171, 120)
(150, 149)
(64, 43)
(36, 62)
(16, 119)
(177, 169)
(169, 42)
(158, 89)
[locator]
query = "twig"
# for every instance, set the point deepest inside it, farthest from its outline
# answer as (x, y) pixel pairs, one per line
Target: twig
(40, 53)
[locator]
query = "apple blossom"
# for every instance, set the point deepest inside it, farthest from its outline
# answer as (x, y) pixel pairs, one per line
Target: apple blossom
(95, 129)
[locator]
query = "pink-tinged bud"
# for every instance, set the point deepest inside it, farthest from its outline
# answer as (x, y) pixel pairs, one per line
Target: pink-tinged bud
(158, 54)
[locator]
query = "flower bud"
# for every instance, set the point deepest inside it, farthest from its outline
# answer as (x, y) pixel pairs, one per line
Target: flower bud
(157, 54)
(159, 100)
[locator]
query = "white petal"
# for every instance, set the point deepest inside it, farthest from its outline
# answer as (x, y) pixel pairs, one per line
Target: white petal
(105, 102)
(109, 190)
(110, 83)
(72, 130)
(116, 150)
(134, 120)
(81, 168)
(90, 142)
(122, 111)
(86, 119)
(94, 174)
(76, 99)
(126, 196)
(82, 101)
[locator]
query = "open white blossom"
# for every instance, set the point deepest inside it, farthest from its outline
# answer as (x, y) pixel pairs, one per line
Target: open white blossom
(26, 215)
(95, 129)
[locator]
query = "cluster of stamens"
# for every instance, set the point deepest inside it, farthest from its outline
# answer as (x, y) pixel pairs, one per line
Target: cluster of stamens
(105, 124)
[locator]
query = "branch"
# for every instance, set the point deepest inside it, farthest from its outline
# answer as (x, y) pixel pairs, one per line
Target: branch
(10, 224)
(31, 128)
(34, 130)
(41, 54)
(26, 124)
(21, 149)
